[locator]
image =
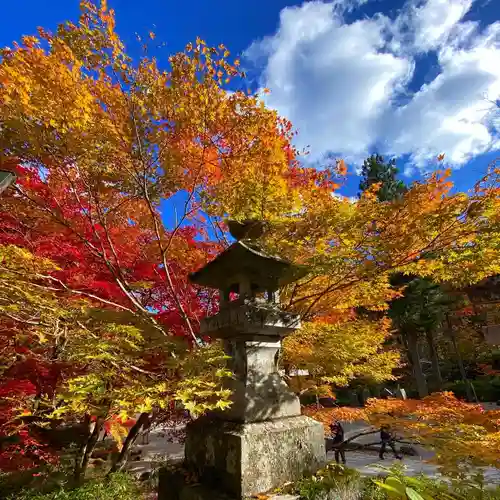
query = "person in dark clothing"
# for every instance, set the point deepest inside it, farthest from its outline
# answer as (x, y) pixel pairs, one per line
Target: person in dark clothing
(338, 440)
(387, 439)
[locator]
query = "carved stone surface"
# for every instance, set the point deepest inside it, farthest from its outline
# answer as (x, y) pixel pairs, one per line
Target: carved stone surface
(258, 391)
(250, 319)
(245, 459)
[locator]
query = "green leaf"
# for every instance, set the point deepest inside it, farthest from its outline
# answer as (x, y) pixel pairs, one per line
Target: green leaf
(413, 495)
(397, 484)
(393, 492)
(414, 482)
(221, 404)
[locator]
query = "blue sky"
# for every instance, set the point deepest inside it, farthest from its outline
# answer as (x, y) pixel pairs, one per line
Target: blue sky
(407, 79)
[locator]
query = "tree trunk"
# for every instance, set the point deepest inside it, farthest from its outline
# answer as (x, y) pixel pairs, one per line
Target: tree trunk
(81, 450)
(132, 435)
(404, 338)
(436, 370)
(299, 383)
(92, 431)
(94, 437)
(412, 340)
(463, 374)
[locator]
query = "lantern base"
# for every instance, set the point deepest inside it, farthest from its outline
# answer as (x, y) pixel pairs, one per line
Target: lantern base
(244, 459)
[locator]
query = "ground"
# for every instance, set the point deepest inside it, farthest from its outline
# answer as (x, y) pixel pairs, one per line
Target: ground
(367, 462)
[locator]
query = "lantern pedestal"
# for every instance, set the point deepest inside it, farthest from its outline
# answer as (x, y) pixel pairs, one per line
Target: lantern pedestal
(246, 459)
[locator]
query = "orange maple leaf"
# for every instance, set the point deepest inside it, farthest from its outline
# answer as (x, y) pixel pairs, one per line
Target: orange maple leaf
(341, 168)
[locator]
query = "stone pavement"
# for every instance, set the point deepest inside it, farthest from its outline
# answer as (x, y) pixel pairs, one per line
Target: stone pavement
(366, 462)
(158, 450)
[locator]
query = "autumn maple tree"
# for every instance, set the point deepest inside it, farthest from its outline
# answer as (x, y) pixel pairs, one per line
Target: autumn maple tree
(353, 249)
(111, 309)
(336, 352)
(65, 359)
(462, 435)
(107, 149)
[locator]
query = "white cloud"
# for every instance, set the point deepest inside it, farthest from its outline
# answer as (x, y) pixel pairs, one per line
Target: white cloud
(429, 24)
(346, 86)
(451, 113)
(338, 196)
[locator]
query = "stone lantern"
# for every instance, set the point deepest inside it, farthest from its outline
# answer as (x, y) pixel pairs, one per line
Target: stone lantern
(262, 441)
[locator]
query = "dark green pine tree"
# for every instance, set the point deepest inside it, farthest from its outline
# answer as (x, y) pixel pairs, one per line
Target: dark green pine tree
(377, 170)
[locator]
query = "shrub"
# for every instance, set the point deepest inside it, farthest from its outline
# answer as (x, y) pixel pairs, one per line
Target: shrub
(336, 482)
(371, 491)
(487, 388)
(398, 486)
(119, 486)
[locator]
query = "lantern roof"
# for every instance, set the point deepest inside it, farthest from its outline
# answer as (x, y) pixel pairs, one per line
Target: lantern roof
(244, 260)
